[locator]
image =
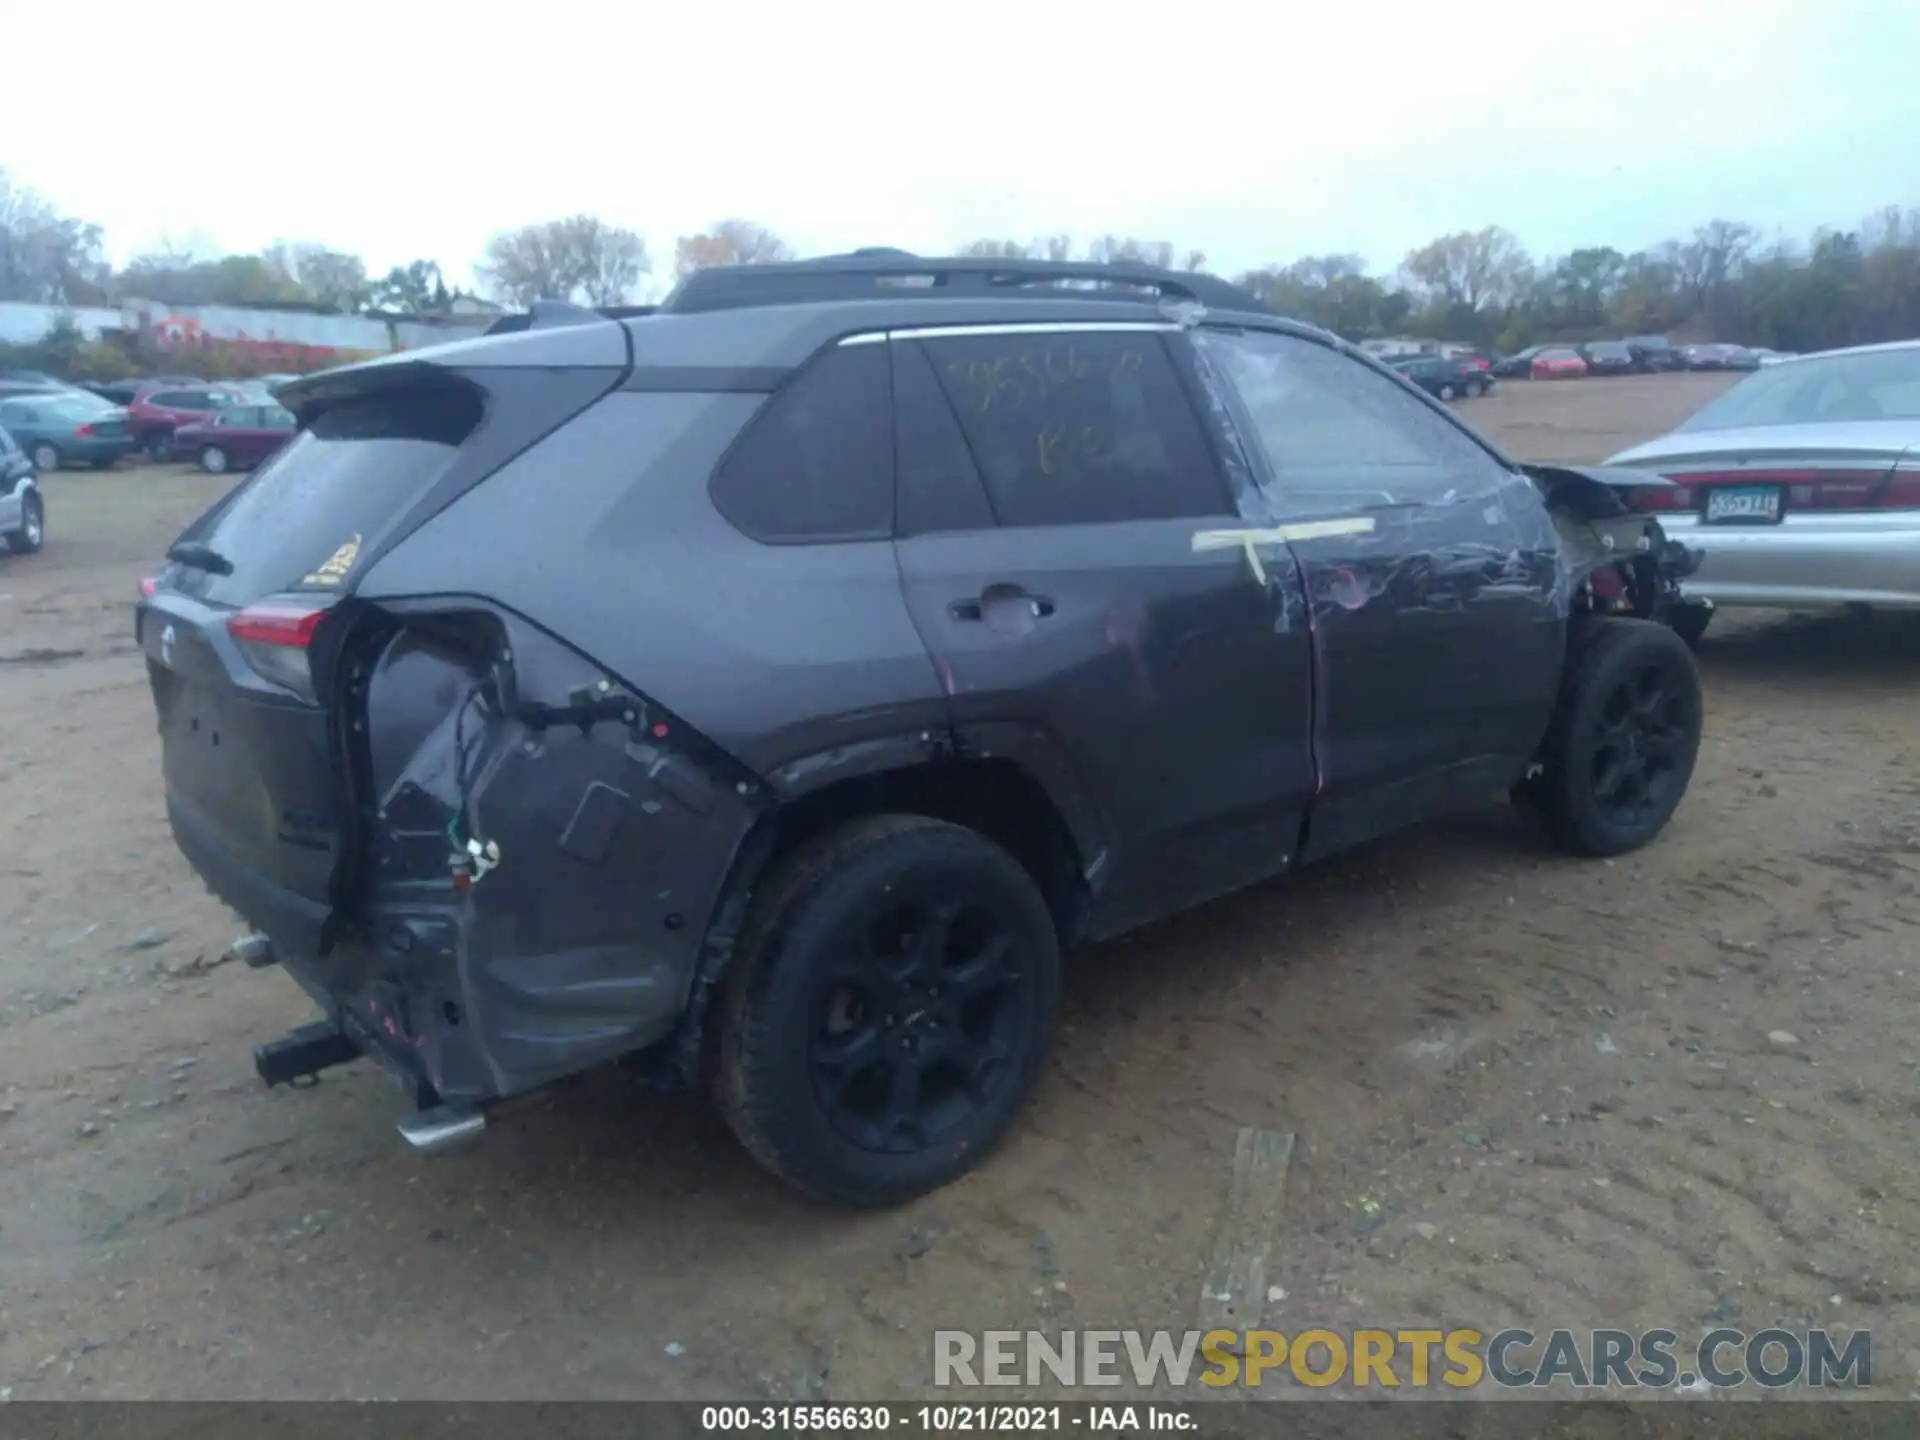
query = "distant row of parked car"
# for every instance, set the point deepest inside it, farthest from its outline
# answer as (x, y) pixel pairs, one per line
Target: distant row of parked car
(222, 426)
(1636, 355)
(1446, 377)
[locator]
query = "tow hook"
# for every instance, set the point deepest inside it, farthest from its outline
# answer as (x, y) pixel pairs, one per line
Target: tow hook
(255, 949)
(441, 1128)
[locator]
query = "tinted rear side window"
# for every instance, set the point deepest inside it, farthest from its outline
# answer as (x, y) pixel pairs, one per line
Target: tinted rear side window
(940, 489)
(328, 490)
(816, 464)
(1078, 427)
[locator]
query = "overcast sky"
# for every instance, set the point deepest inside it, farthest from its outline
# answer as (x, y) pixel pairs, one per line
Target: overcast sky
(1254, 131)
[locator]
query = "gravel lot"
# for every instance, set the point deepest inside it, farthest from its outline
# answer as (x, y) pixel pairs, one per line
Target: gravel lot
(1677, 1089)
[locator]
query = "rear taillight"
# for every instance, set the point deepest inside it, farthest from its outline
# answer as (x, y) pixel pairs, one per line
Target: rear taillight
(1805, 489)
(148, 585)
(274, 635)
(1902, 491)
(86, 429)
(1661, 499)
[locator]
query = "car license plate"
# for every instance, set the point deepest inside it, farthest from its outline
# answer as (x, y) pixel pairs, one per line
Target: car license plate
(1743, 505)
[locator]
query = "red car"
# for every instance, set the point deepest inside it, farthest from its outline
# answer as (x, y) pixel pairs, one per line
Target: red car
(1559, 363)
(154, 415)
(236, 438)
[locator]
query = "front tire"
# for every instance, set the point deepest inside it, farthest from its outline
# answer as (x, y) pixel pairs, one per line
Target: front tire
(214, 460)
(1446, 392)
(1690, 622)
(160, 446)
(31, 537)
(890, 1007)
(1624, 738)
(46, 458)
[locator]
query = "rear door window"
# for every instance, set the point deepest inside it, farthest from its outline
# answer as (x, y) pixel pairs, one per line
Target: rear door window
(1078, 427)
(301, 519)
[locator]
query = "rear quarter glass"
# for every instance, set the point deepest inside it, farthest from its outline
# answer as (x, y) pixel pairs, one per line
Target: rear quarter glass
(300, 520)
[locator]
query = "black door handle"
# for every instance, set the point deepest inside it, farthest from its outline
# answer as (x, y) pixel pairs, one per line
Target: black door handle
(1004, 600)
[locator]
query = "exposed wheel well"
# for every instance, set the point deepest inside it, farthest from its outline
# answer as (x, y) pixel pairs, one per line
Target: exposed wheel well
(995, 797)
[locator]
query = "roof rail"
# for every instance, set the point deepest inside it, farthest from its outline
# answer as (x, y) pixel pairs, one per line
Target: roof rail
(893, 274)
(554, 314)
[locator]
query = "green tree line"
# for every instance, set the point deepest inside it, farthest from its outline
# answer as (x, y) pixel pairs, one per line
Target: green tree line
(1725, 281)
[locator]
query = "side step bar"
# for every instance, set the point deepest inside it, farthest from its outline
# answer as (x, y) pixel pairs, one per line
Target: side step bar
(442, 1128)
(302, 1054)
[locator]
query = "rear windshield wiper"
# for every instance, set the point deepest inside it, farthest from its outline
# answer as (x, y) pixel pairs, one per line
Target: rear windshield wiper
(201, 557)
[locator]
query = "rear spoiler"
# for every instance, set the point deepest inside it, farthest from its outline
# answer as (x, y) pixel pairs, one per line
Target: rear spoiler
(551, 314)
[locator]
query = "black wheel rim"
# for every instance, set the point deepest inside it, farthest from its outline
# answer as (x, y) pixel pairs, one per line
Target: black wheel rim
(1644, 725)
(918, 1027)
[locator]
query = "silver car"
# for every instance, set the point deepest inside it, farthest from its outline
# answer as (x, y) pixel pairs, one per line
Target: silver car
(1801, 484)
(23, 511)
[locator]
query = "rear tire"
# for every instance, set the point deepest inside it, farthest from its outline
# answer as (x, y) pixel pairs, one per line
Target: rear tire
(890, 1007)
(1624, 738)
(160, 446)
(46, 458)
(214, 460)
(31, 537)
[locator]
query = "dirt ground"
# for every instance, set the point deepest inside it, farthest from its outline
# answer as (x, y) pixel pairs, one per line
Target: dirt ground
(1677, 1089)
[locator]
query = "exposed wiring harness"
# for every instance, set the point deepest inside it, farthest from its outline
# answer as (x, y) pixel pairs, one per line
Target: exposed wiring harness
(472, 857)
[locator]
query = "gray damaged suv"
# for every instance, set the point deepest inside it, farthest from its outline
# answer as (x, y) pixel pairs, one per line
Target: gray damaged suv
(766, 689)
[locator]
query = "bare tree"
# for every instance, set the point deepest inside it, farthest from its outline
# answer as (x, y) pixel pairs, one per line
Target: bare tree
(579, 257)
(413, 288)
(47, 257)
(1471, 270)
(997, 250)
(1126, 250)
(730, 242)
(325, 276)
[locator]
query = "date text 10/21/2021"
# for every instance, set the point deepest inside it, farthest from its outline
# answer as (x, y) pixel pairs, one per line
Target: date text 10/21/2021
(984, 1419)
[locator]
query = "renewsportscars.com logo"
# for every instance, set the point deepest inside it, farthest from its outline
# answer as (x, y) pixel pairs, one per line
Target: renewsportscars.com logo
(1368, 1359)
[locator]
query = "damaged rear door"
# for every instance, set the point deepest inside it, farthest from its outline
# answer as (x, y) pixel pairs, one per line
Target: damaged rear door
(1053, 480)
(1431, 580)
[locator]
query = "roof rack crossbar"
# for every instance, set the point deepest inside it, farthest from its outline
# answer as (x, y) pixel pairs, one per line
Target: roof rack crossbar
(866, 276)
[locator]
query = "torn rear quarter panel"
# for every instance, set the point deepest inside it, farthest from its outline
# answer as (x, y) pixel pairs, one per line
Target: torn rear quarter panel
(1598, 528)
(603, 824)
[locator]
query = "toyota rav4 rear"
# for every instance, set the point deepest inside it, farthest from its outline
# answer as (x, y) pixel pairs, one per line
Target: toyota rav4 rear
(337, 769)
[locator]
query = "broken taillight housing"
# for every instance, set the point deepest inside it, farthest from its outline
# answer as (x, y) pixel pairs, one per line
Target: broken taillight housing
(275, 636)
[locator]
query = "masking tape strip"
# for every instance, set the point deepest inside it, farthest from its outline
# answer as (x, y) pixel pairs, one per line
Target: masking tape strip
(1247, 540)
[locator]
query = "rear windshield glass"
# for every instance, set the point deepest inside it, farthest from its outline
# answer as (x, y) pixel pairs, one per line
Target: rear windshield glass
(300, 520)
(1875, 385)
